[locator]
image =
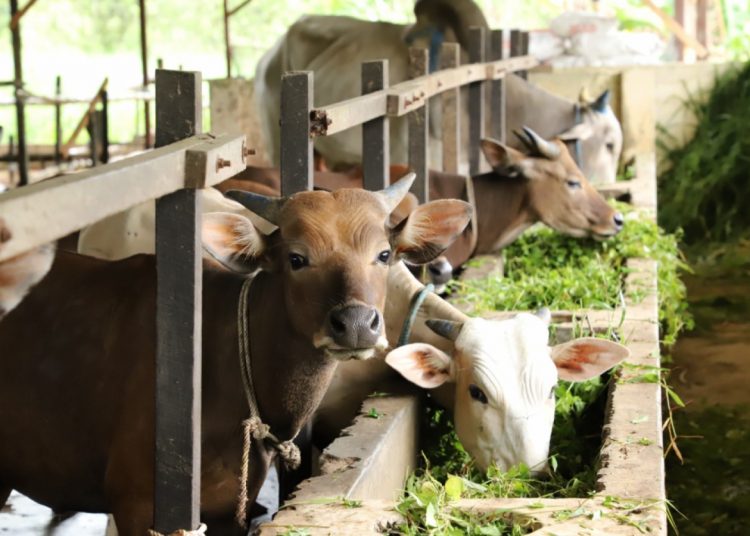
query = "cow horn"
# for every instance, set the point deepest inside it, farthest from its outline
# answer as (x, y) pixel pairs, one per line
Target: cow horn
(445, 328)
(268, 208)
(538, 145)
(544, 314)
(396, 191)
(601, 103)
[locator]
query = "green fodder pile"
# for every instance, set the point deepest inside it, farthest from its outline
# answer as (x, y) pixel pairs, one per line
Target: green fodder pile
(705, 190)
(543, 268)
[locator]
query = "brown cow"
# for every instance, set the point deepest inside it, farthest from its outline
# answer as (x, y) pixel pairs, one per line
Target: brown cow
(77, 397)
(542, 185)
(20, 273)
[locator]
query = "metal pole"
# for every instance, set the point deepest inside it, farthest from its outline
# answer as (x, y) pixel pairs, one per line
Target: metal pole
(227, 44)
(58, 121)
(375, 133)
(476, 100)
(144, 71)
(104, 127)
(178, 318)
(23, 157)
(296, 143)
(419, 121)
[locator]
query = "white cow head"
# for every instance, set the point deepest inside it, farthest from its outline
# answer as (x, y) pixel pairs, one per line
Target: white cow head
(600, 135)
(505, 375)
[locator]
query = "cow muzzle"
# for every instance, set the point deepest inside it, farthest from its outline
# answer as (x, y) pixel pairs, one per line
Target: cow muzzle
(354, 332)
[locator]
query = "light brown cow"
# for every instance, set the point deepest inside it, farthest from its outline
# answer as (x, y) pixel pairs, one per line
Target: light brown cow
(77, 398)
(19, 274)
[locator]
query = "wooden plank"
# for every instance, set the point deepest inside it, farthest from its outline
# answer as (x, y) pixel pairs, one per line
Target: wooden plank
(476, 101)
(638, 111)
(178, 318)
(450, 57)
(296, 143)
(497, 90)
(33, 213)
(349, 113)
(419, 120)
(375, 133)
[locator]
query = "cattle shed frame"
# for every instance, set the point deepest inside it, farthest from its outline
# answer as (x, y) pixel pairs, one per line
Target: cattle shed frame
(186, 160)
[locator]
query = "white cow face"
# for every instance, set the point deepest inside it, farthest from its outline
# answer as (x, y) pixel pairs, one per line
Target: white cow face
(505, 375)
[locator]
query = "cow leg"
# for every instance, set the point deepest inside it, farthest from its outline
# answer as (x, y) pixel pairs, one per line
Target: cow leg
(288, 480)
(133, 518)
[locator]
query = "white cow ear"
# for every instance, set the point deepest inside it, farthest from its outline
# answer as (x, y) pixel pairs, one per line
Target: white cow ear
(586, 358)
(422, 364)
(232, 240)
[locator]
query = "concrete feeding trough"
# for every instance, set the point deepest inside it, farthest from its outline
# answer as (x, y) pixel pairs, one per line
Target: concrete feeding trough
(371, 460)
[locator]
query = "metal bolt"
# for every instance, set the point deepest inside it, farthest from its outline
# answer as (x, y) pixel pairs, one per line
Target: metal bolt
(221, 163)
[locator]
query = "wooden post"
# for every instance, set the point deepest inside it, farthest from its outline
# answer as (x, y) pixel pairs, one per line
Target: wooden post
(375, 133)
(58, 120)
(476, 100)
(296, 142)
(516, 48)
(497, 90)
(701, 22)
(419, 121)
(450, 57)
(144, 73)
(227, 44)
(104, 126)
(93, 129)
(179, 317)
(23, 156)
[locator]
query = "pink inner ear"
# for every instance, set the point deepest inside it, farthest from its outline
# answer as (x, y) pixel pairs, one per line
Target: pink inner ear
(421, 364)
(586, 358)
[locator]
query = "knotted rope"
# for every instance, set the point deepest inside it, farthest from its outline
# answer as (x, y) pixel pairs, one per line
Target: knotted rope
(253, 427)
(416, 302)
(200, 531)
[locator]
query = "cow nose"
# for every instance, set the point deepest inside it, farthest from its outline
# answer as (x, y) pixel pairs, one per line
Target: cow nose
(619, 220)
(355, 326)
(440, 271)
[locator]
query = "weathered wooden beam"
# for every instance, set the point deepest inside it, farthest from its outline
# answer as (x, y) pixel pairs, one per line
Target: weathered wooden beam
(419, 120)
(476, 100)
(375, 133)
(178, 318)
(296, 141)
(33, 219)
(450, 57)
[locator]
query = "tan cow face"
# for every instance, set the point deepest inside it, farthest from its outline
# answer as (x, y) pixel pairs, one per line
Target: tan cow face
(558, 193)
(331, 253)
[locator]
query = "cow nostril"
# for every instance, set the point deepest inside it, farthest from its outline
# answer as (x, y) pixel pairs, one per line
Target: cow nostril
(434, 270)
(618, 219)
(375, 323)
(337, 325)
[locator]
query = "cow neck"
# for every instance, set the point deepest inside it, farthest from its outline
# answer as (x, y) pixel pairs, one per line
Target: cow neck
(503, 210)
(547, 114)
(402, 287)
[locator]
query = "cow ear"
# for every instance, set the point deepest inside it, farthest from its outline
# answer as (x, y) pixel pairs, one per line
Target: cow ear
(502, 158)
(430, 229)
(422, 364)
(581, 131)
(233, 241)
(586, 358)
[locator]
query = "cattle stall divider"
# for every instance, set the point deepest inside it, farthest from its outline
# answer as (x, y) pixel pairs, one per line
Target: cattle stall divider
(185, 161)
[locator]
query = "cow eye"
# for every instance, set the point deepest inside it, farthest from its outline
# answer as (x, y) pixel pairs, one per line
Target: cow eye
(572, 184)
(384, 256)
(610, 147)
(297, 261)
(477, 394)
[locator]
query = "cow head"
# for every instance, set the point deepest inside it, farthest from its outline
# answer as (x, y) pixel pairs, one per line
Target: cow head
(331, 254)
(558, 193)
(505, 375)
(600, 135)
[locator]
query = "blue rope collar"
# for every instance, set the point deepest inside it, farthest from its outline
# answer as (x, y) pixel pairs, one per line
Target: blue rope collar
(416, 302)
